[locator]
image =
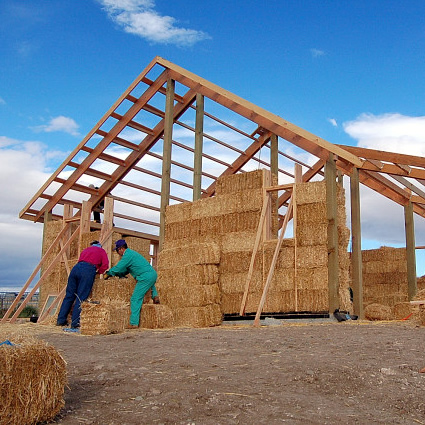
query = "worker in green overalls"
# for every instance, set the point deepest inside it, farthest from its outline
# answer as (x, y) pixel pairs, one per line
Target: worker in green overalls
(134, 263)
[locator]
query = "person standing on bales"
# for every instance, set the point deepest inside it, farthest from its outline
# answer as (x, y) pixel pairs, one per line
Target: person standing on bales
(134, 263)
(80, 282)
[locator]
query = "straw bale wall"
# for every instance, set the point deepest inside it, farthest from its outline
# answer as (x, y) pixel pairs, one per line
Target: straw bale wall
(230, 220)
(32, 381)
(384, 276)
(156, 316)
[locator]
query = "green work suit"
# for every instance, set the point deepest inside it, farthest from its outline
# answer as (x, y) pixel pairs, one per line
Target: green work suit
(135, 264)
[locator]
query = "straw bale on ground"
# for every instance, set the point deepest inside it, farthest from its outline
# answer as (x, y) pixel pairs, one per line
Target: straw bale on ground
(377, 311)
(32, 381)
(114, 289)
(156, 316)
(198, 317)
(104, 318)
(190, 296)
(404, 309)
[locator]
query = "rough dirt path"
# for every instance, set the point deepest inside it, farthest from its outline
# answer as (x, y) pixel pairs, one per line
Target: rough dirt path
(333, 373)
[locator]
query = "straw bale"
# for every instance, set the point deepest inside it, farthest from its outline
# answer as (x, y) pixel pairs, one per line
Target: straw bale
(231, 303)
(192, 296)
(421, 315)
(312, 192)
(32, 381)
(176, 243)
(312, 256)
(312, 278)
(404, 309)
(420, 295)
(240, 181)
(239, 261)
(237, 241)
(188, 229)
(386, 278)
(197, 274)
(313, 300)
(156, 316)
(140, 245)
(178, 212)
(114, 289)
(385, 253)
(345, 303)
(286, 257)
(234, 222)
(344, 234)
(205, 253)
(379, 267)
(231, 283)
(88, 237)
(313, 213)
(377, 311)
(312, 234)
(420, 283)
(198, 317)
(105, 318)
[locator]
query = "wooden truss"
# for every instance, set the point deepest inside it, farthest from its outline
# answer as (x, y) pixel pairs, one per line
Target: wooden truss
(171, 134)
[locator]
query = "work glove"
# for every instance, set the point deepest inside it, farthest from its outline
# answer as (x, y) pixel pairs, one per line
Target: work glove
(106, 276)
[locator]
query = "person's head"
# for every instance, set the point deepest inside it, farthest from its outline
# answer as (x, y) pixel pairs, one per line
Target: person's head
(120, 246)
(95, 243)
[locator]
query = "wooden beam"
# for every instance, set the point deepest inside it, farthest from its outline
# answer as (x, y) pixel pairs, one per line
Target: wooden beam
(166, 157)
(356, 245)
(332, 207)
(199, 137)
(410, 250)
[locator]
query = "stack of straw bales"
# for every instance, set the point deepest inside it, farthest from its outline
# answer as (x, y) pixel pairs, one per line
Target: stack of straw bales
(230, 220)
(385, 276)
(188, 283)
(32, 381)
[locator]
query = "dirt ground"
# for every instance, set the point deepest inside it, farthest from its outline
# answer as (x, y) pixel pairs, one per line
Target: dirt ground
(312, 372)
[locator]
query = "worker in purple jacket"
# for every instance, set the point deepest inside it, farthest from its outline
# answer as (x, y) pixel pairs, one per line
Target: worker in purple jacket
(80, 282)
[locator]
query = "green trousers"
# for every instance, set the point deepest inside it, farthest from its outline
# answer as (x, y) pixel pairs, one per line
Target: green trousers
(144, 283)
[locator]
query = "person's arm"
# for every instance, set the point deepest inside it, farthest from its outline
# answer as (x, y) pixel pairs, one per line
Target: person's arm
(120, 269)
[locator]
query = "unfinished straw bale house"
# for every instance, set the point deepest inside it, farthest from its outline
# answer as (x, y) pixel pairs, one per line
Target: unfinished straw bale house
(199, 180)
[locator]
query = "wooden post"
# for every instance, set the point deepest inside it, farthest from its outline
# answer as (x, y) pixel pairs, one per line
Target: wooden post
(84, 222)
(166, 157)
(356, 245)
(274, 168)
(410, 250)
(298, 174)
(199, 138)
(107, 227)
(333, 263)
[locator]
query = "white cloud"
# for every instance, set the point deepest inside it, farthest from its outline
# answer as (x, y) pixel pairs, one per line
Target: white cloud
(60, 123)
(389, 132)
(2, 101)
(333, 122)
(316, 53)
(24, 169)
(140, 18)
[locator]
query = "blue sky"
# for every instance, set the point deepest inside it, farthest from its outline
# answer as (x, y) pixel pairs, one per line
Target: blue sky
(350, 72)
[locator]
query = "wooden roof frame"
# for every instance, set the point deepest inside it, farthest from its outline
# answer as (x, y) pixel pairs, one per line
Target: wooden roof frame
(399, 177)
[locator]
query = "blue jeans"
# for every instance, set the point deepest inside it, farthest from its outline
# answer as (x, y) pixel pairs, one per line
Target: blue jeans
(80, 284)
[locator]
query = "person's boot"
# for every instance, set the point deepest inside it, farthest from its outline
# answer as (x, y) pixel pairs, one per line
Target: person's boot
(156, 300)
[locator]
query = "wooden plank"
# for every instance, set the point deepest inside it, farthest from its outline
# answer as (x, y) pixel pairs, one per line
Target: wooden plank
(107, 227)
(331, 206)
(199, 139)
(356, 245)
(254, 253)
(298, 173)
(84, 222)
(410, 250)
(273, 265)
(166, 157)
(44, 275)
(34, 273)
(271, 122)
